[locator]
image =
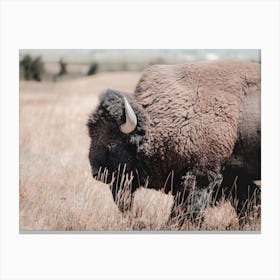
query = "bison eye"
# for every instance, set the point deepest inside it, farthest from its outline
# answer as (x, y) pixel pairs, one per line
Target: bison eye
(111, 147)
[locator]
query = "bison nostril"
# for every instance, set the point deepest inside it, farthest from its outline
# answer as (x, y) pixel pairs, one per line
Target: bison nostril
(94, 172)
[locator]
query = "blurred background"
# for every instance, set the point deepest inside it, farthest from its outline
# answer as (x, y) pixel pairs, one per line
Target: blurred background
(57, 64)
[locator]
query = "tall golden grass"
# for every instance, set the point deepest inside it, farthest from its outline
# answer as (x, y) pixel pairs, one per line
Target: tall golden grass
(57, 191)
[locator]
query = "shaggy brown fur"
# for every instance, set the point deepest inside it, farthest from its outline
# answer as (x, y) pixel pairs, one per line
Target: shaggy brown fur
(194, 111)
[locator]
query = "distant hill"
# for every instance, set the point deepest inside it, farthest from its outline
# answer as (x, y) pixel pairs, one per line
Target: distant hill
(145, 55)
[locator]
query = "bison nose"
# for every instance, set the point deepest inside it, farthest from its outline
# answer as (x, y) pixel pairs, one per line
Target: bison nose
(94, 172)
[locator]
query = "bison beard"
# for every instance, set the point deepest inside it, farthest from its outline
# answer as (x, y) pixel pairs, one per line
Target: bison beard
(191, 129)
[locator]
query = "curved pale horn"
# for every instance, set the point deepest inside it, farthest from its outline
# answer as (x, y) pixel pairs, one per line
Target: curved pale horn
(131, 119)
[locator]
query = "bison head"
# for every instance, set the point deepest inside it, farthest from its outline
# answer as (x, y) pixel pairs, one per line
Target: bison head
(116, 129)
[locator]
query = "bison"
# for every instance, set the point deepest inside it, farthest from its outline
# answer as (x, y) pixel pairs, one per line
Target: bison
(186, 128)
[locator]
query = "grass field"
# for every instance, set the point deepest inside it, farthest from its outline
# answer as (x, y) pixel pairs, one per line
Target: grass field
(57, 191)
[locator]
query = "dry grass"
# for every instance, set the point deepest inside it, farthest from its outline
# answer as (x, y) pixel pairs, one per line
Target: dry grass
(57, 191)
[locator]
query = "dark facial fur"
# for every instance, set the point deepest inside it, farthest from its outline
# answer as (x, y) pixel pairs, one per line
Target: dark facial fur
(110, 148)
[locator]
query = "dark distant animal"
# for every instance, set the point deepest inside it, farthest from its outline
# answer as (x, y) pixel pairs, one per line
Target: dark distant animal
(186, 128)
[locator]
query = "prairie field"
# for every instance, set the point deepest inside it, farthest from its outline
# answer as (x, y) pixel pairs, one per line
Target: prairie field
(56, 188)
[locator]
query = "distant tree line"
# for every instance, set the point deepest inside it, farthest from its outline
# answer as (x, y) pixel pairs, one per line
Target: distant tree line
(34, 69)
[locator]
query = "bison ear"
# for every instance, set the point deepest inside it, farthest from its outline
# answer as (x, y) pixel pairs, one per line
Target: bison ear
(131, 119)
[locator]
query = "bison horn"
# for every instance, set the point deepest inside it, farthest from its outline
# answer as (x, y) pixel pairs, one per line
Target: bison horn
(131, 119)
